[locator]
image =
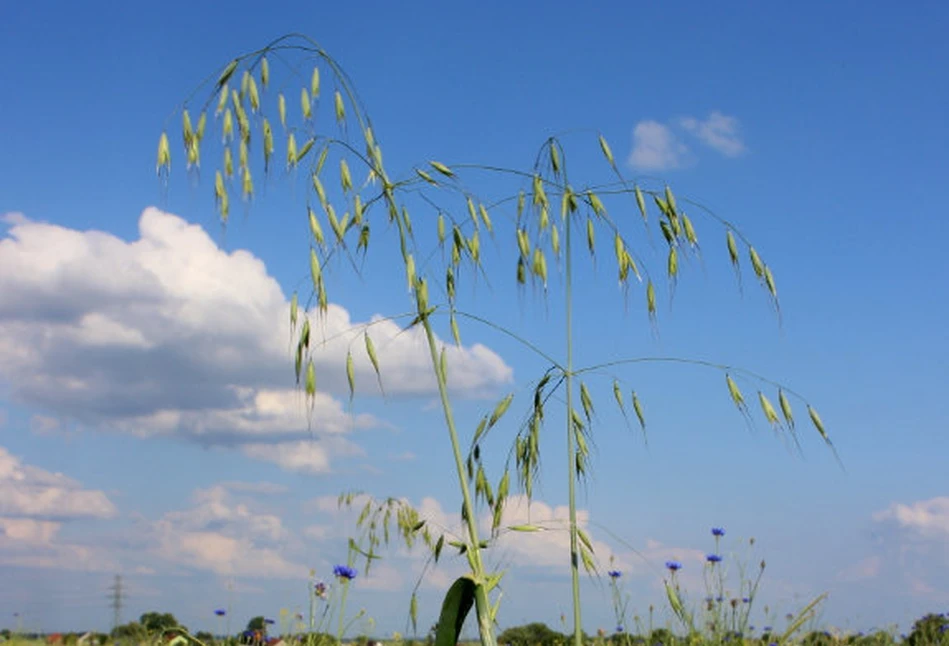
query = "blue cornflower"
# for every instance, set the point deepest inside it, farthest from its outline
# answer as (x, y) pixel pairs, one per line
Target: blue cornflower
(713, 558)
(745, 600)
(619, 629)
(719, 598)
(767, 629)
(344, 572)
(269, 621)
(220, 612)
(673, 565)
(615, 574)
(718, 531)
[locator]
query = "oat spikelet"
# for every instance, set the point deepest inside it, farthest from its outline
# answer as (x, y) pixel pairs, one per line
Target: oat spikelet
(769, 281)
(523, 242)
(455, 332)
(555, 239)
(441, 229)
(736, 394)
(441, 168)
(316, 271)
(315, 229)
(291, 151)
(605, 147)
(651, 299)
(252, 95)
(618, 395)
(638, 407)
(350, 374)
(247, 186)
(294, 311)
(768, 409)
(554, 157)
(818, 423)
(345, 179)
(756, 263)
(227, 73)
(428, 178)
(228, 163)
(673, 265)
(410, 270)
(357, 210)
(689, 231)
(164, 154)
(222, 98)
(786, 409)
(640, 202)
(586, 401)
(671, 201)
(591, 237)
(485, 217)
(306, 108)
(340, 109)
(320, 191)
(268, 143)
(315, 83)
(472, 212)
(227, 128)
(310, 380)
(282, 109)
(264, 72)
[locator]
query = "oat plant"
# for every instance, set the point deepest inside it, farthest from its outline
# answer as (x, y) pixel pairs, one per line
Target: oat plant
(441, 230)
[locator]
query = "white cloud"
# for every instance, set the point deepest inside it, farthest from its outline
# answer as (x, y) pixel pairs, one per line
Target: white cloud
(227, 537)
(655, 147)
(27, 542)
(718, 131)
(169, 334)
(33, 505)
(925, 518)
(33, 492)
(262, 488)
(305, 456)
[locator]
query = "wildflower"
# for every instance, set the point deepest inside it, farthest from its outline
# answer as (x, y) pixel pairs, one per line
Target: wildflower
(269, 621)
(713, 558)
(745, 600)
(344, 572)
(718, 531)
(619, 629)
(719, 598)
(615, 574)
(319, 588)
(220, 612)
(673, 565)
(767, 629)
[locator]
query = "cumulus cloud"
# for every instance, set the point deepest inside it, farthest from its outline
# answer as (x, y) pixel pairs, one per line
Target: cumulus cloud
(29, 491)
(656, 147)
(305, 456)
(28, 542)
(225, 536)
(926, 518)
(169, 334)
(34, 504)
(718, 131)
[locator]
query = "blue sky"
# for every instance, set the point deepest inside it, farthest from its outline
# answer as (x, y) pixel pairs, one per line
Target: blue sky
(148, 421)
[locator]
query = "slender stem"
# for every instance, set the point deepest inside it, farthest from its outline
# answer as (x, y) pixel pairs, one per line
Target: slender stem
(571, 451)
(482, 606)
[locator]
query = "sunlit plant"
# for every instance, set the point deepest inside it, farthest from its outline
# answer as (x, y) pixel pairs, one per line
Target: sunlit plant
(440, 228)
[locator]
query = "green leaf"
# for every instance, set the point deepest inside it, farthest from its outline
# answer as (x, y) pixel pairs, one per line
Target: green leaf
(455, 607)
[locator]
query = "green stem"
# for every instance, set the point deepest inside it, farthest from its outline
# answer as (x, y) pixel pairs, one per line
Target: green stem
(482, 605)
(571, 451)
